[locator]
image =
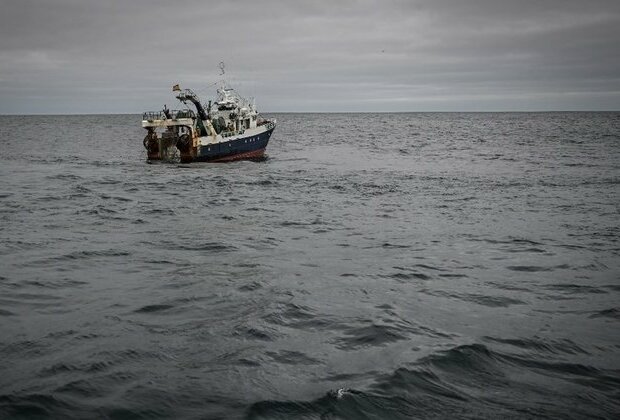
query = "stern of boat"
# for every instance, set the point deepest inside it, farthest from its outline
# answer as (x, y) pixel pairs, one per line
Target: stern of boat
(170, 135)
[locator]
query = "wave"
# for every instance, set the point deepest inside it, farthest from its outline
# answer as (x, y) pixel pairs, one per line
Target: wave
(80, 255)
(370, 335)
(153, 308)
(196, 245)
(34, 406)
(467, 381)
(480, 299)
(612, 313)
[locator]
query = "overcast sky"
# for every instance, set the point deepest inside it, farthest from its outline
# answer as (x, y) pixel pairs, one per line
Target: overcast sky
(123, 56)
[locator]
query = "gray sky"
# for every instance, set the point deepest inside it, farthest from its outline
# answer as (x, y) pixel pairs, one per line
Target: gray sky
(123, 56)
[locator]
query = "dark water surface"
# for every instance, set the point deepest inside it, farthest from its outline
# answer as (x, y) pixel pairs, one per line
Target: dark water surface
(376, 266)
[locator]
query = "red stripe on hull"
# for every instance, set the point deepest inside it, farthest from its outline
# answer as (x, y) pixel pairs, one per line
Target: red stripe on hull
(255, 154)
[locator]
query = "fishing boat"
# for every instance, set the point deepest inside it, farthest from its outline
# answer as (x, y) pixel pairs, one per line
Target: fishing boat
(229, 128)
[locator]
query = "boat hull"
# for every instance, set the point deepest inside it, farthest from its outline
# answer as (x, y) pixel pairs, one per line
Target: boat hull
(244, 148)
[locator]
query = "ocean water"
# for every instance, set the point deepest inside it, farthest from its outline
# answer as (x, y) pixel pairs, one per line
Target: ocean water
(375, 266)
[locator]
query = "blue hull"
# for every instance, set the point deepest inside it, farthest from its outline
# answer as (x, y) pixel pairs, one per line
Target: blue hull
(251, 147)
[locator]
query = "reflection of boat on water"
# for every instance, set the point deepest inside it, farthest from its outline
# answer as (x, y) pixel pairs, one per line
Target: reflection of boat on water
(229, 129)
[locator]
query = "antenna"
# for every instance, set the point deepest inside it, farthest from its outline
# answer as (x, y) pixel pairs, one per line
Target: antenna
(222, 67)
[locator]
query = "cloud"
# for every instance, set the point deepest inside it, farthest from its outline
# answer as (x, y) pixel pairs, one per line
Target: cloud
(352, 55)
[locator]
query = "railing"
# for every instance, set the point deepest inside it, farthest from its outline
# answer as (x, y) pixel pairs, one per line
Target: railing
(268, 123)
(225, 134)
(168, 115)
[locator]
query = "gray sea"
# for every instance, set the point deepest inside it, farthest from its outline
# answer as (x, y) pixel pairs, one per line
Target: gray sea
(375, 266)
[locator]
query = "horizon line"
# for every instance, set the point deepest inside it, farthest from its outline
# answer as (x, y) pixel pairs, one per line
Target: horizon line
(332, 112)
